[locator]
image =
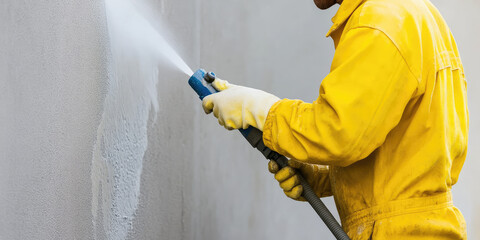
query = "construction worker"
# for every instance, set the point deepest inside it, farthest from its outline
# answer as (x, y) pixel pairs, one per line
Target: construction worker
(387, 136)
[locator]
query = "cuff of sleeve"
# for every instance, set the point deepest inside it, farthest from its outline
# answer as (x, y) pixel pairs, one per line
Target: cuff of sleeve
(268, 134)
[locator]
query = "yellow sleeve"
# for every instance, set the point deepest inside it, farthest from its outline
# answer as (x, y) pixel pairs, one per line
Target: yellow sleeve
(360, 101)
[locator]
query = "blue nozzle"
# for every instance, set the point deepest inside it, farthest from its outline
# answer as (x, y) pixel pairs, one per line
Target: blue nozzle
(199, 83)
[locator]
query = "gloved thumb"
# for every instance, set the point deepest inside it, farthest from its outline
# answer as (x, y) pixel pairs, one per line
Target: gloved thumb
(208, 101)
(221, 85)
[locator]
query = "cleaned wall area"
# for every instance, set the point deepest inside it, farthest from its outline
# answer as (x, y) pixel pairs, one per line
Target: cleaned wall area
(92, 147)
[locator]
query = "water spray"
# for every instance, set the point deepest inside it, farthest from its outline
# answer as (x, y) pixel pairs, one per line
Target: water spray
(201, 82)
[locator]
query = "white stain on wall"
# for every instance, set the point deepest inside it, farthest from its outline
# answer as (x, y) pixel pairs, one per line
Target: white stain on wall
(122, 134)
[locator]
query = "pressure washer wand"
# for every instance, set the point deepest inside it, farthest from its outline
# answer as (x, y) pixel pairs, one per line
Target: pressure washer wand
(201, 81)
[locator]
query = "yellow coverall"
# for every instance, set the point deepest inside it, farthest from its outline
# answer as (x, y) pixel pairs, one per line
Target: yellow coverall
(391, 122)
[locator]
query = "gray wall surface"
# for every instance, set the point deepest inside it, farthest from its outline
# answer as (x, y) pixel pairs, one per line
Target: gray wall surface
(101, 144)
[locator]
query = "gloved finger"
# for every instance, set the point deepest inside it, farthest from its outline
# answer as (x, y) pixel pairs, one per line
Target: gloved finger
(273, 166)
(220, 84)
(295, 193)
(230, 125)
(220, 121)
(284, 174)
(216, 112)
(290, 183)
(207, 104)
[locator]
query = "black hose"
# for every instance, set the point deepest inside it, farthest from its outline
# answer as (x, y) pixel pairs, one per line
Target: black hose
(255, 138)
(317, 204)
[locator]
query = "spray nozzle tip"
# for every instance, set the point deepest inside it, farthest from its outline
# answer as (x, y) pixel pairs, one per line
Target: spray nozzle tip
(209, 77)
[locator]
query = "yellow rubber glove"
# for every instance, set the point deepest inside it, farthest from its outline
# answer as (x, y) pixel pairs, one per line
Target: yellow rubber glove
(238, 107)
(290, 183)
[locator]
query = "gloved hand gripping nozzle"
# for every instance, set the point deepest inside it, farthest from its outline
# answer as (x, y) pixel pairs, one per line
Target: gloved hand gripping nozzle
(201, 82)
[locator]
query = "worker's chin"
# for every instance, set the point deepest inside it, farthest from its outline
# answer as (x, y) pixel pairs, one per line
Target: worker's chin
(324, 4)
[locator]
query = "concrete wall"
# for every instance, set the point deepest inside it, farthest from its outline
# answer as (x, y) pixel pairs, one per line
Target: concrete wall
(85, 153)
(52, 81)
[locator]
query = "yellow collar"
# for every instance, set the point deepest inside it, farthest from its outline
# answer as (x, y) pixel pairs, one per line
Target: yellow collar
(346, 9)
